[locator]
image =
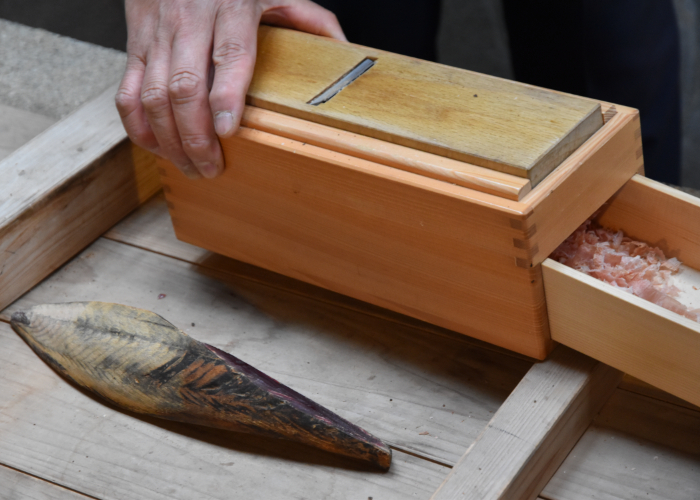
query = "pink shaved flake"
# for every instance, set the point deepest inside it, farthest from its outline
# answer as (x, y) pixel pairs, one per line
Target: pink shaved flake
(629, 265)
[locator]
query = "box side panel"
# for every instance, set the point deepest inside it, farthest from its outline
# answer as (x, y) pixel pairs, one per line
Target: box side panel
(354, 227)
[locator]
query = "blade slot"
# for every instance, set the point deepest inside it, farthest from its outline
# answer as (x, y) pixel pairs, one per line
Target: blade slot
(343, 82)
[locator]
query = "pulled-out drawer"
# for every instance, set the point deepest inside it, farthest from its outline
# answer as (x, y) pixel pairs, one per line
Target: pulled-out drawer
(624, 331)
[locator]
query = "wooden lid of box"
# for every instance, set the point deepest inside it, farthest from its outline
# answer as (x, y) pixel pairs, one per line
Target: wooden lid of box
(486, 121)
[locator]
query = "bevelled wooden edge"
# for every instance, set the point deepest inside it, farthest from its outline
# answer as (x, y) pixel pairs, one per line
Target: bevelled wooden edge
(412, 160)
(533, 431)
(63, 189)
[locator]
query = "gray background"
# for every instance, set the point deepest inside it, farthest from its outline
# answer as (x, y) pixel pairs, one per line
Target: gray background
(472, 35)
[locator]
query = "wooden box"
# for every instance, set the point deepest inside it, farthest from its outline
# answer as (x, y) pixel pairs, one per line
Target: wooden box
(424, 189)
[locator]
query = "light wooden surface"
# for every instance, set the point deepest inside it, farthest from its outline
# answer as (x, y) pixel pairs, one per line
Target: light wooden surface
(63, 189)
(441, 253)
(533, 431)
(412, 160)
(353, 364)
(57, 432)
(637, 447)
(18, 126)
(641, 338)
(16, 485)
(446, 111)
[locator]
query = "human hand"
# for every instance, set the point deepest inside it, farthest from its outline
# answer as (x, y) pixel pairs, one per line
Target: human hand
(180, 49)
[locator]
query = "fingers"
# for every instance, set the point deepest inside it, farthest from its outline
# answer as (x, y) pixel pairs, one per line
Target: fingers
(156, 104)
(304, 15)
(189, 98)
(235, 43)
(128, 100)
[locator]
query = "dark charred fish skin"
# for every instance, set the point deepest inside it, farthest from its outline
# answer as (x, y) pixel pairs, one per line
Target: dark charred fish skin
(139, 361)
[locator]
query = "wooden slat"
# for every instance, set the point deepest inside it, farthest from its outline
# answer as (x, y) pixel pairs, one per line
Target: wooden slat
(390, 379)
(63, 189)
(17, 485)
(438, 252)
(61, 434)
(641, 338)
(636, 448)
(446, 111)
(531, 434)
(18, 126)
(659, 215)
(412, 160)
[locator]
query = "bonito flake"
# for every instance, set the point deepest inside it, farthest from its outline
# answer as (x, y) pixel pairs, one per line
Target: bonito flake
(629, 265)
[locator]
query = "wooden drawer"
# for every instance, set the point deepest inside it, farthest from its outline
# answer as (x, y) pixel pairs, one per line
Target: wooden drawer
(620, 329)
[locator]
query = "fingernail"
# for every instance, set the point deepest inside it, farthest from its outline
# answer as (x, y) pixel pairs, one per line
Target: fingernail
(191, 172)
(209, 170)
(223, 123)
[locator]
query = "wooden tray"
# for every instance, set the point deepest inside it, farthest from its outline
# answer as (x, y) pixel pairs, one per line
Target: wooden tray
(414, 229)
(629, 333)
(60, 443)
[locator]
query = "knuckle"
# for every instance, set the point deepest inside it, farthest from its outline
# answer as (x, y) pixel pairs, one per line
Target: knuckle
(154, 97)
(231, 51)
(185, 85)
(126, 101)
(196, 144)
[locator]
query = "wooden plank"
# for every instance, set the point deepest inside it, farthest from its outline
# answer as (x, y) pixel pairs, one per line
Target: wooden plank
(18, 126)
(386, 153)
(637, 447)
(441, 110)
(583, 183)
(17, 485)
(389, 379)
(659, 215)
(63, 435)
(63, 189)
(531, 434)
(636, 336)
(441, 253)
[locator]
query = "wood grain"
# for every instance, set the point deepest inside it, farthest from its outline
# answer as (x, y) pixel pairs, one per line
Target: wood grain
(388, 378)
(660, 215)
(18, 126)
(386, 153)
(533, 431)
(17, 485)
(629, 333)
(637, 447)
(438, 109)
(62, 435)
(63, 189)
(393, 238)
